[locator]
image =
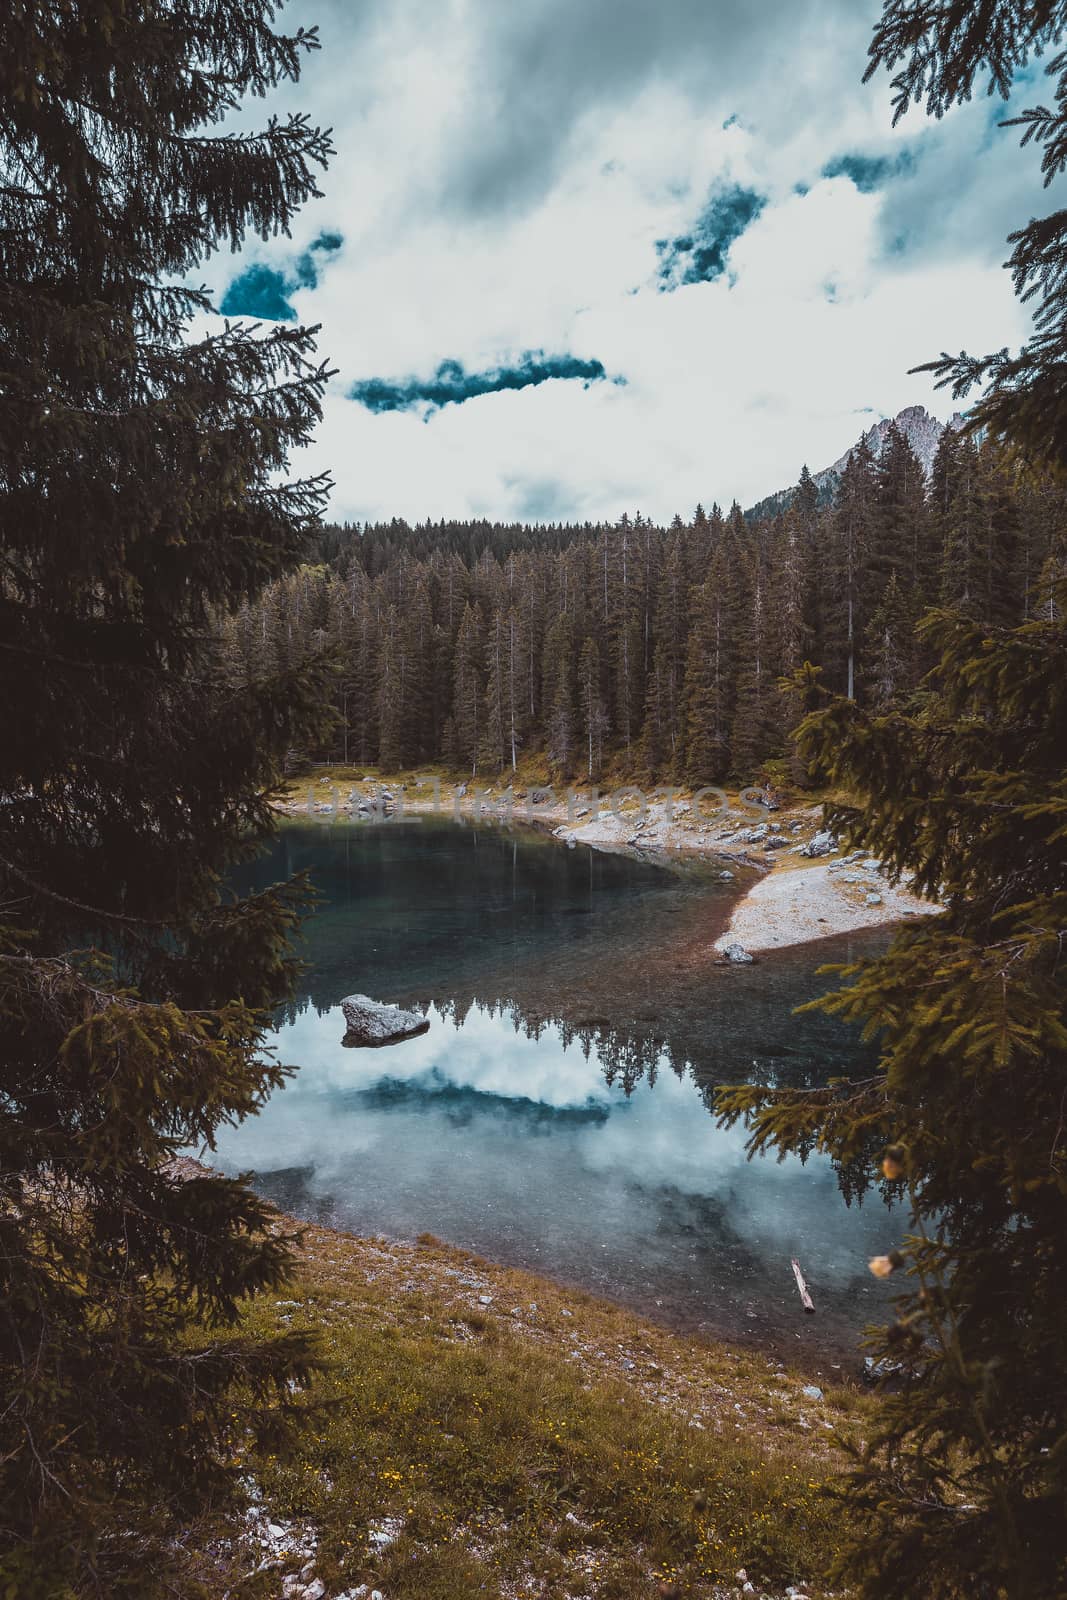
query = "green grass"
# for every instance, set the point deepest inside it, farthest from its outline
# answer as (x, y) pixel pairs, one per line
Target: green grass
(513, 1453)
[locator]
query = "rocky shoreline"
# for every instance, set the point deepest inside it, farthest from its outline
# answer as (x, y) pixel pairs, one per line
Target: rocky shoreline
(808, 887)
(841, 896)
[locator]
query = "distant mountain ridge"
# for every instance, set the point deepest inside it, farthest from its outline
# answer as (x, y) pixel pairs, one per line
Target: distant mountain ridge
(921, 429)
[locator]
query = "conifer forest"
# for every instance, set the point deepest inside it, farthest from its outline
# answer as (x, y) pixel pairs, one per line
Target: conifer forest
(661, 653)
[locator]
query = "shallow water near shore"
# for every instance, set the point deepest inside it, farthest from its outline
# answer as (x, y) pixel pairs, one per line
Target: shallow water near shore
(556, 1115)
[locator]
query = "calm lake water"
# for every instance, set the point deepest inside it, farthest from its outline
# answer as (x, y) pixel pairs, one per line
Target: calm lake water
(556, 1115)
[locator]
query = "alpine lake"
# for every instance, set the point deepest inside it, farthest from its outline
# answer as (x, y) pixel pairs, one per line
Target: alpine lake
(558, 1114)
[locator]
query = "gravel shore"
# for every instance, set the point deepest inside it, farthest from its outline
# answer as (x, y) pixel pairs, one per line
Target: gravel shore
(792, 908)
(806, 888)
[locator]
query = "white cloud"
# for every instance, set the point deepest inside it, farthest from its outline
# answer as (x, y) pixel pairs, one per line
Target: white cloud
(502, 178)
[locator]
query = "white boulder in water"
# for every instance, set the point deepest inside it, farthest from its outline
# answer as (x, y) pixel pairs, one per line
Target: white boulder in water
(371, 1022)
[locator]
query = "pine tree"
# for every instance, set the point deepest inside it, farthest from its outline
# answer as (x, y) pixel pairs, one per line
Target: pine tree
(389, 697)
(899, 539)
(754, 731)
(889, 648)
(591, 706)
(656, 749)
(804, 517)
(559, 660)
(366, 671)
(962, 1485)
(960, 517)
(559, 695)
(711, 672)
(416, 672)
(494, 720)
(663, 734)
(847, 585)
(468, 692)
(343, 628)
(902, 547)
(142, 494)
(516, 679)
(531, 629)
(998, 561)
(806, 497)
(622, 624)
(791, 634)
(703, 537)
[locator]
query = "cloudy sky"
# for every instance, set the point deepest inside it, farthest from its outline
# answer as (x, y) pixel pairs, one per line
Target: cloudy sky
(580, 257)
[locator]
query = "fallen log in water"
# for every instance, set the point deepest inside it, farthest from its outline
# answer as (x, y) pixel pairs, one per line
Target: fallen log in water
(805, 1298)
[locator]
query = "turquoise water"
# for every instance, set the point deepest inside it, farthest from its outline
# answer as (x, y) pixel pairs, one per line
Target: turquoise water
(556, 1114)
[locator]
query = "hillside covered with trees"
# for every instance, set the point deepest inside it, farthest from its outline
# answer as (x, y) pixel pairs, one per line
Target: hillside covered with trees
(654, 652)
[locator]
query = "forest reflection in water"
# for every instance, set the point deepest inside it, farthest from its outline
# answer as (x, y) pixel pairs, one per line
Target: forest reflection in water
(557, 1113)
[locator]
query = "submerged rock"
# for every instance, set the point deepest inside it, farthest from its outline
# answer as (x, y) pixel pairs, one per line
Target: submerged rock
(371, 1022)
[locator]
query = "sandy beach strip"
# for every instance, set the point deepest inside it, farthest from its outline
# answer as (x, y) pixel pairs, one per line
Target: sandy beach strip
(791, 908)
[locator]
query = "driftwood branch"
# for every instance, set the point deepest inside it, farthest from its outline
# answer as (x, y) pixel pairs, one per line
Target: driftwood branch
(805, 1298)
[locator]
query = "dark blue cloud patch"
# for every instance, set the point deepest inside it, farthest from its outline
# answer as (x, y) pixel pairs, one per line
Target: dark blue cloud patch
(259, 291)
(869, 173)
(262, 291)
(700, 255)
(452, 384)
(306, 271)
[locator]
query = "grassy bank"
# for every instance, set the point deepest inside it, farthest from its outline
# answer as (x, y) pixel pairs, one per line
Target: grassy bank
(485, 1432)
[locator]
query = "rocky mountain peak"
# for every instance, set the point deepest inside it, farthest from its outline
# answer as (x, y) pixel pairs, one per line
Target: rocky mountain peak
(922, 431)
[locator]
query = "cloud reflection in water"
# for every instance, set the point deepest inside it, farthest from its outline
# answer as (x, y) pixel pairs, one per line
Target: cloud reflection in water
(519, 1147)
